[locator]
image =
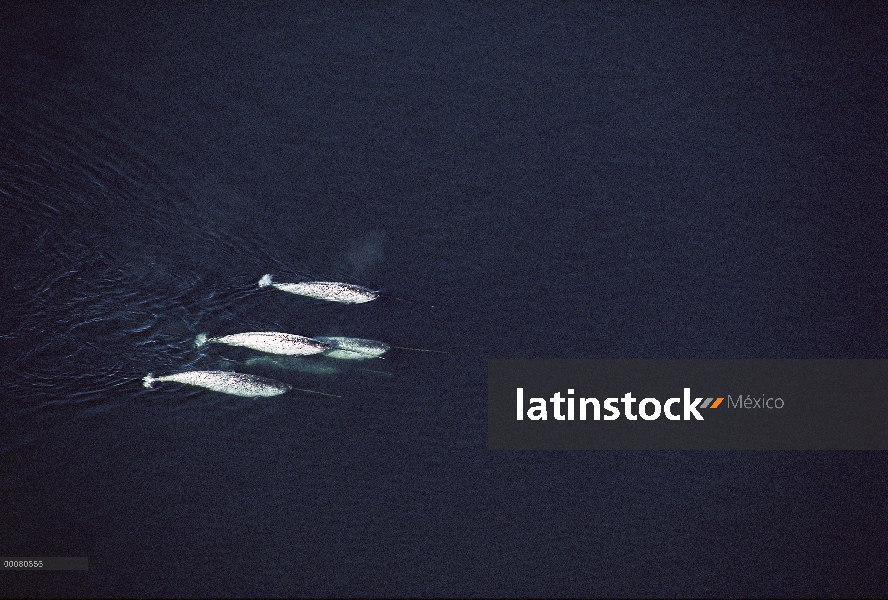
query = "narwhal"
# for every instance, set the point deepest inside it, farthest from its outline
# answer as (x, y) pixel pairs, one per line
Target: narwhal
(313, 365)
(294, 363)
(272, 342)
(332, 291)
(227, 382)
(348, 348)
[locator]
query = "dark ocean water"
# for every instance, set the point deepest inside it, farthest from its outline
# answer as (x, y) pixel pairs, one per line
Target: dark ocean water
(526, 180)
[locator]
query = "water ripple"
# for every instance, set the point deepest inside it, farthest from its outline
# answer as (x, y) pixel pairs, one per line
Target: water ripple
(107, 274)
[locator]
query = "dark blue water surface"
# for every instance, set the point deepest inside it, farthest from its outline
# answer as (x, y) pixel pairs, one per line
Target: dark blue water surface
(524, 180)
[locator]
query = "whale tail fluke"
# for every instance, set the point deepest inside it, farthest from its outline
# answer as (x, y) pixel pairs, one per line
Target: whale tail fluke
(265, 281)
(200, 340)
(148, 380)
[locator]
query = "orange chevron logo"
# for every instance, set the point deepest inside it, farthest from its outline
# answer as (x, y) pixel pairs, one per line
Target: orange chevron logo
(710, 404)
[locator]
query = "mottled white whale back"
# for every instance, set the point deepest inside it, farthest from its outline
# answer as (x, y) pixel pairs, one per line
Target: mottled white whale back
(227, 382)
(332, 291)
(272, 342)
(347, 348)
